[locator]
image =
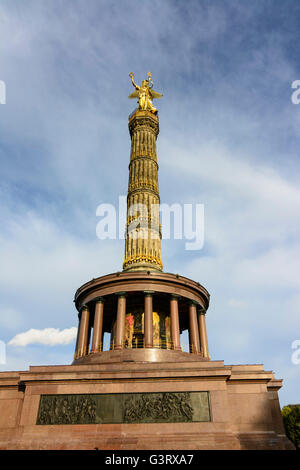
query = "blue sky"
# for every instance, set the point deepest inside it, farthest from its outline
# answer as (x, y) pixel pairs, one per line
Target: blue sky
(229, 139)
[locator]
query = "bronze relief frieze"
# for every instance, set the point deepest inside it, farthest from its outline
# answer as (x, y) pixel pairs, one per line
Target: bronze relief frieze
(109, 408)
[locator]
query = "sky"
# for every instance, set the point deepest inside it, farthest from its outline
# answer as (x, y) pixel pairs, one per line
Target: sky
(229, 139)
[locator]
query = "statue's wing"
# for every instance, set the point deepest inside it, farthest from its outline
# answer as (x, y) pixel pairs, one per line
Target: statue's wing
(135, 94)
(154, 94)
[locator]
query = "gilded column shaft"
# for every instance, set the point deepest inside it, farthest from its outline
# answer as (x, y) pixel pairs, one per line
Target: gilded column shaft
(143, 236)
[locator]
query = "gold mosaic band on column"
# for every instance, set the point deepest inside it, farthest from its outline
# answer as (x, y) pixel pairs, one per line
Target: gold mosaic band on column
(138, 258)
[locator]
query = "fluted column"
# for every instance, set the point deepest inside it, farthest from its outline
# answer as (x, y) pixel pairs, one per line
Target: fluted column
(148, 319)
(203, 333)
(193, 329)
(175, 331)
(83, 331)
(143, 246)
(98, 326)
(121, 313)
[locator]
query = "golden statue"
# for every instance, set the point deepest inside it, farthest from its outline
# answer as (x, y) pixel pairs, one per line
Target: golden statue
(145, 93)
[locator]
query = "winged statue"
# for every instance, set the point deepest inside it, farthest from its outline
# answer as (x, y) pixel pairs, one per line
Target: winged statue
(145, 93)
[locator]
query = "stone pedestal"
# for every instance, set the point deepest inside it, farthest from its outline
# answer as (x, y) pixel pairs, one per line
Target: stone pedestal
(238, 407)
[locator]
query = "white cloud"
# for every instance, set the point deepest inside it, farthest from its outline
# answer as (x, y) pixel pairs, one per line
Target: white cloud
(47, 336)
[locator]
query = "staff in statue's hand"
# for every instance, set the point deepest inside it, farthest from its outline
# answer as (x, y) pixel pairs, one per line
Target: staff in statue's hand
(150, 81)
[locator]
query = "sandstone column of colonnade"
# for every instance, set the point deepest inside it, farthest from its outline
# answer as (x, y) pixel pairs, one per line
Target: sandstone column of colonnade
(197, 326)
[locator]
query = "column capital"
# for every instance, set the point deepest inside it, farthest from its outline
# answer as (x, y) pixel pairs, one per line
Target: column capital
(83, 307)
(202, 311)
(121, 294)
(149, 293)
(193, 302)
(175, 296)
(99, 299)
